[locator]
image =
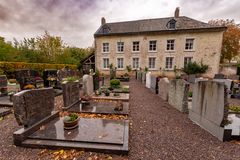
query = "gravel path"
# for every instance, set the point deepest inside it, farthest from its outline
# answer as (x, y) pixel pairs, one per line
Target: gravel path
(157, 131)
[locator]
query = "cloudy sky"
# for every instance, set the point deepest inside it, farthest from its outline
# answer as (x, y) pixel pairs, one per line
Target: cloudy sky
(77, 20)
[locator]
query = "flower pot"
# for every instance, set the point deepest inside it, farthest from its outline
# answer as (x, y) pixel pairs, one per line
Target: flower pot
(107, 94)
(71, 124)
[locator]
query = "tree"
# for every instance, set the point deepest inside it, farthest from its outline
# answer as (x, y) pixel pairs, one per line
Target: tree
(231, 39)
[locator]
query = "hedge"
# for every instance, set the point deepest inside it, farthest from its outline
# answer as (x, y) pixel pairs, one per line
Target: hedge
(8, 68)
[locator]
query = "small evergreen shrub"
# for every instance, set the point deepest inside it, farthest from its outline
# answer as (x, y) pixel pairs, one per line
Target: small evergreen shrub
(115, 83)
(194, 68)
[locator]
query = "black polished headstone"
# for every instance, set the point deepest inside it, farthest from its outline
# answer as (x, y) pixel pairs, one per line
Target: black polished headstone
(31, 106)
(3, 85)
(71, 93)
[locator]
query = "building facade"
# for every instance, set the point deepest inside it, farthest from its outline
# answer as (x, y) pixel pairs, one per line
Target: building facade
(158, 44)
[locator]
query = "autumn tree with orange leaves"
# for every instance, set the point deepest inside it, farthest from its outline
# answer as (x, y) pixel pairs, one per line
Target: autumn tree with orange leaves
(231, 39)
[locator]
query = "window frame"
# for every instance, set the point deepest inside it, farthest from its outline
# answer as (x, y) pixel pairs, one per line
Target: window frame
(188, 61)
(170, 50)
(193, 44)
(103, 64)
(166, 66)
(149, 46)
(133, 46)
(120, 46)
(133, 64)
(122, 63)
(149, 65)
(103, 47)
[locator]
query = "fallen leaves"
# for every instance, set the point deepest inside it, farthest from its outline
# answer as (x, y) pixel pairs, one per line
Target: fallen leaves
(61, 154)
(102, 116)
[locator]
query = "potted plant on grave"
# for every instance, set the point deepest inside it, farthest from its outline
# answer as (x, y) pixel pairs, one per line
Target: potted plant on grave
(107, 92)
(115, 83)
(71, 121)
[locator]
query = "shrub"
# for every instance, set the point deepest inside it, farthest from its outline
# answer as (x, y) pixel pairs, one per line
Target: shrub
(115, 83)
(194, 68)
(129, 68)
(10, 67)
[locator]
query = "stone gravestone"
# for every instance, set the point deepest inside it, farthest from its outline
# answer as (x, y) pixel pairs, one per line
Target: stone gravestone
(87, 85)
(153, 83)
(163, 87)
(210, 107)
(70, 93)
(31, 106)
(148, 80)
(3, 85)
(178, 94)
(143, 77)
(227, 82)
(139, 75)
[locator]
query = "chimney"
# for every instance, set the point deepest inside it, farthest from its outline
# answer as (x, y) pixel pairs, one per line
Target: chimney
(103, 21)
(176, 14)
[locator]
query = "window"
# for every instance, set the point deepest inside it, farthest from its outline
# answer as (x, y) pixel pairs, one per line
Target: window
(169, 63)
(170, 45)
(135, 46)
(171, 24)
(187, 60)
(135, 63)
(120, 47)
(105, 63)
(152, 45)
(105, 47)
(189, 44)
(120, 63)
(151, 64)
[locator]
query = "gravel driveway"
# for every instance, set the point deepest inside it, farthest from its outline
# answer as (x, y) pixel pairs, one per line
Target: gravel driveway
(157, 131)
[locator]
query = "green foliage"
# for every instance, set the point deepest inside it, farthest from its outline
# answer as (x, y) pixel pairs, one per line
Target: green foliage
(42, 49)
(71, 79)
(190, 94)
(194, 68)
(129, 68)
(70, 118)
(115, 83)
(10, 67)
(146, 69)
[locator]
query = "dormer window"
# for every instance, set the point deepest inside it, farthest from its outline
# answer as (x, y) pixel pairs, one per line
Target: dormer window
(171, 24)
(105, 29)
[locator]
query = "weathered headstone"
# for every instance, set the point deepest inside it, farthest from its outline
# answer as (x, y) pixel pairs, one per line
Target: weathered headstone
(31, 106)
(26, 77)
(139, 75)
(3, 85)
(163, 87)
(87, 85)
(148, 80)
(227, 82)
(153, 83)
(143, 77)
(210, 107)
(70, 93)
(178, 94)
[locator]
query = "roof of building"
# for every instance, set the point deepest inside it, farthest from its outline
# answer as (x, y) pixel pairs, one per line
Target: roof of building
(155, 25)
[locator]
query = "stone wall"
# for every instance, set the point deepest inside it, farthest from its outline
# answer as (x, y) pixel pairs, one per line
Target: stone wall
(163, 88)
(207, 48)
(210, 107)
(178, 94)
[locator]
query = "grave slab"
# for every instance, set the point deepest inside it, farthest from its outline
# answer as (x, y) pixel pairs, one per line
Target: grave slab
(99, 108)
(101, 135)
(4, 111)
(122, 97)
(5, 101)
